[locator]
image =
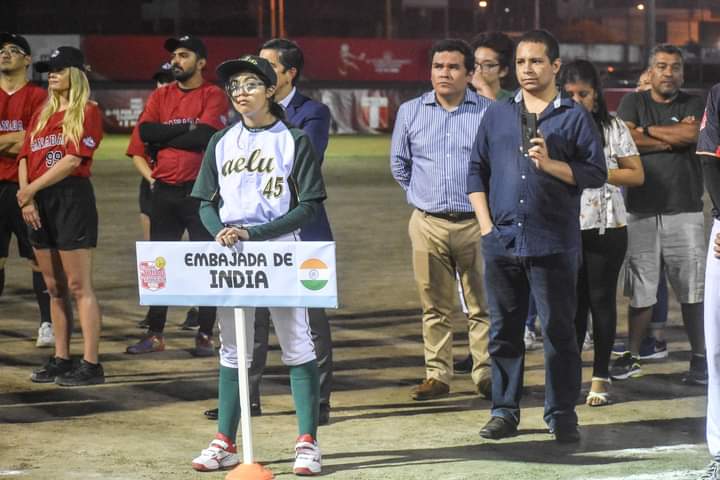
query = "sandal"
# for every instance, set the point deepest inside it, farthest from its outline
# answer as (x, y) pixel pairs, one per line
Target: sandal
(598, 399)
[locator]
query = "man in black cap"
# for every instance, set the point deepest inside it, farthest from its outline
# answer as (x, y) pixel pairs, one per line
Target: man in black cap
(19, 100)
(176, 126)
(144, 163)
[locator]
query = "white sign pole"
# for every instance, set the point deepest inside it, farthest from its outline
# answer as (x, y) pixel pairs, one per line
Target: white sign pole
(247, 470)
(243, 385)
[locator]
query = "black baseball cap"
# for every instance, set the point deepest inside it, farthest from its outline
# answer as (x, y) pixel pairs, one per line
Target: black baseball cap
(164, 73)
(247, 63)
(61, 57)
(193, 44)
(15, 39)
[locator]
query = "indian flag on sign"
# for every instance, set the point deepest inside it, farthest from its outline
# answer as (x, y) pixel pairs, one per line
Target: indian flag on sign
(314, 274)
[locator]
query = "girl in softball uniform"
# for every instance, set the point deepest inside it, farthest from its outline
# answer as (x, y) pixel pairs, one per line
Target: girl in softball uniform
(58, 204)
(260, 180)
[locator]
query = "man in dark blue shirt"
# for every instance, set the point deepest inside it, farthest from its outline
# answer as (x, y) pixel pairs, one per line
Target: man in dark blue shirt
(528, 207)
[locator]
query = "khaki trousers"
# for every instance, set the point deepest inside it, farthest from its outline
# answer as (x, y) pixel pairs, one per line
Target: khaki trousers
(440, 249)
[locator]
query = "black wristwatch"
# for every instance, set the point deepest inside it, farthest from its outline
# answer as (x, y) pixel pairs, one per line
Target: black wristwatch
(646, 130)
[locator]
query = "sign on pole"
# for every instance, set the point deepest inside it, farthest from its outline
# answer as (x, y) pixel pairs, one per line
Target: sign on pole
(250, 274)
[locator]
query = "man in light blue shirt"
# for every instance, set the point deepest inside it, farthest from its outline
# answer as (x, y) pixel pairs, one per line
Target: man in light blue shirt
(431, 145)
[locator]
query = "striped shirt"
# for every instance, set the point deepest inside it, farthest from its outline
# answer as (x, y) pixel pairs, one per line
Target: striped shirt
(431, 149)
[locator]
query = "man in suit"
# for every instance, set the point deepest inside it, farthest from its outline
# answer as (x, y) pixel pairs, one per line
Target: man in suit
(313, 118)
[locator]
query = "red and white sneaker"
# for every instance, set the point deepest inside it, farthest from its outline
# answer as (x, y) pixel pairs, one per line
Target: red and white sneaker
(308, 460)
(220, 455)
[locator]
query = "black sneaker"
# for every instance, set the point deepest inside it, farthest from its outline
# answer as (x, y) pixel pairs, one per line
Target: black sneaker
(324, 416)
(625, 367)
(85, 374)
(698, 373)
(652, 349)
(463, 366)
(52, 368)
(255, 411)
(191, 320)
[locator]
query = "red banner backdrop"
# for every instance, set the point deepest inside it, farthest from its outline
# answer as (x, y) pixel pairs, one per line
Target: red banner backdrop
(353, 110)
(362, 59)
(135, 58)
(125, 58)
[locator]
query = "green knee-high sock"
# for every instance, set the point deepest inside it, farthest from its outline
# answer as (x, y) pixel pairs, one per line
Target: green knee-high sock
(305, 386)
(228, 402)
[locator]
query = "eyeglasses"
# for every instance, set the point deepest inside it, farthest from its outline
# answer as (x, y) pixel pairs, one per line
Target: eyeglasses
(486, 67)
(12, 52)
(236, 88)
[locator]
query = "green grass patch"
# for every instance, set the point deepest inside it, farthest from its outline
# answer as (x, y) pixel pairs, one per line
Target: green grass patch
(350, 159)
(362, 146)
(113, 147)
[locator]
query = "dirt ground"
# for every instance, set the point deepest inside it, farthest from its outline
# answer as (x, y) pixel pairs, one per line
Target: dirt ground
(146, 422)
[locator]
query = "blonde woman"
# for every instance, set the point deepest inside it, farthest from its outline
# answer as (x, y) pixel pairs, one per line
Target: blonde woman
(58, 204)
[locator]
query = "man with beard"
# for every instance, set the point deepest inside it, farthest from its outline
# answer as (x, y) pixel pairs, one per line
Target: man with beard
(665, 214)
(143, 164)
(176, 126)
(19, 100)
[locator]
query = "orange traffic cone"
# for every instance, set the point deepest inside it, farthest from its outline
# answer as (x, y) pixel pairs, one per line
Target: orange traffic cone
(249, 471)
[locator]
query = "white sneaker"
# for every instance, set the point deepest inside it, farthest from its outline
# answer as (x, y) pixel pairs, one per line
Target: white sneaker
(308, 460)
(530, 339)
(220, 455)
(45, 336)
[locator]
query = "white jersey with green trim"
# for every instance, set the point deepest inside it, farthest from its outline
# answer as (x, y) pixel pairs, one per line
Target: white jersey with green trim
(254, 173)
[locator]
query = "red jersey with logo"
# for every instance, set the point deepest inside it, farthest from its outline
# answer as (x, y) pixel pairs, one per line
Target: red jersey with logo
(16, 111)
(47, 146)
(172, 105)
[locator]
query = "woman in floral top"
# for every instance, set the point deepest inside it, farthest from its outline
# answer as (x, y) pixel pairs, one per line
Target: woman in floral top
(603, 223)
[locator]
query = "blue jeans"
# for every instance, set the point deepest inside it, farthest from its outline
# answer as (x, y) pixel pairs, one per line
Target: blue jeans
(552, 280)
(532, 315)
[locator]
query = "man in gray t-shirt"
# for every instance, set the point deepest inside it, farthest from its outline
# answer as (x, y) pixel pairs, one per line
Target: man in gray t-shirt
(665, 219)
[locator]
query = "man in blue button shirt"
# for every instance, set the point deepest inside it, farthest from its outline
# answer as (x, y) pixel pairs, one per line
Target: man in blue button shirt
(528, 207)
(431, 146)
